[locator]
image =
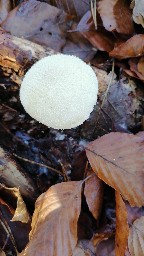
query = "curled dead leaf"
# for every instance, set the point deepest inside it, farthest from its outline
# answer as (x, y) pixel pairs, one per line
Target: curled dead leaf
(118, 159)
(54, 223)
(21, 214)
(94, 194)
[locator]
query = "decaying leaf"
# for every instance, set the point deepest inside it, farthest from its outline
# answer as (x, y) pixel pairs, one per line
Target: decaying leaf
(136, 238)
(138, 12)
(118, 159)
(99, 39)
(122, 228)
(13, 176)
(133, 47)
(48, 28)
(116, 15)
(54, 223)
(94, 194)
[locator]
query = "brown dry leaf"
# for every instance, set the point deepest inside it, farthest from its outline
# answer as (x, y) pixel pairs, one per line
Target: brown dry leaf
(118, 159)
(21, 213)
(116, 15)
(13, 175)
(38, 22)
(54, 223)
(99, 39)
(122, 228)
(136, 238)
(138, 12)
(136, 66)
(133, 47)
(13, 235)
(93, 192)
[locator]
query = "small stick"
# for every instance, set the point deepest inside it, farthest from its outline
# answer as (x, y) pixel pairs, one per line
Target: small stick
(39, 164)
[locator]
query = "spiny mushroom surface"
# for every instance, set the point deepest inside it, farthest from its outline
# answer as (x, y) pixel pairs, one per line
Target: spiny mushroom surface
(59, 91)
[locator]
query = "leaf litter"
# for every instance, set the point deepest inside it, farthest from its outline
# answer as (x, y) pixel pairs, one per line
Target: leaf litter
(71, 219)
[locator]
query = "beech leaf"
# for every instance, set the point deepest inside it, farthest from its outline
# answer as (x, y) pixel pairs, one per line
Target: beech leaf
(94, 195)
(133, 47)
(54, 222)
(118, 159)
(136, 238)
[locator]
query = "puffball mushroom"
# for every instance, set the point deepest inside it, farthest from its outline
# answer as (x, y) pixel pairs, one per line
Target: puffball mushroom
(59, 91)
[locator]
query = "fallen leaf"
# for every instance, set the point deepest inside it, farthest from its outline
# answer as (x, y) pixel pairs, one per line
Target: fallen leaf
(93, 192)
(122, 228)
(47, 29)
(13, 235)
(118, 159)
(136, 238)
(122, 109)
(77, 45)
(138, 12)
(133, 47)
(54, 223)
(116, 15)
(100, 39)
(136, 66)
(21, 213)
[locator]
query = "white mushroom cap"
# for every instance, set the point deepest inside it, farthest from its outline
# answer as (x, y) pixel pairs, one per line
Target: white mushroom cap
(59, 91)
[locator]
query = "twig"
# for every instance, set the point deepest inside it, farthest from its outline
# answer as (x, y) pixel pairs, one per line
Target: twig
(93, 10)
(39, 164)
(64, 171)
